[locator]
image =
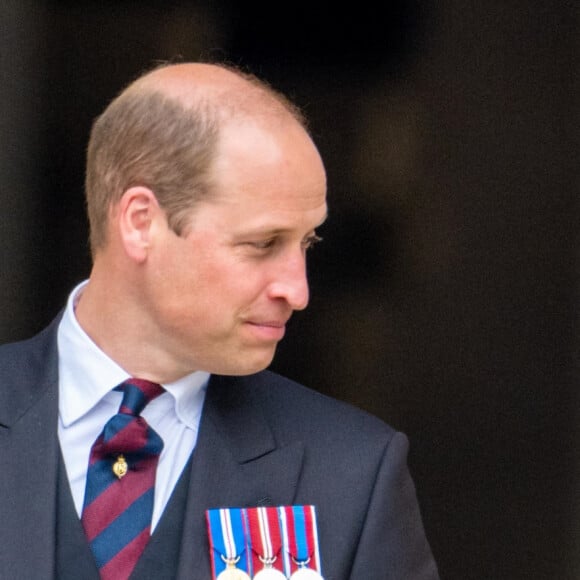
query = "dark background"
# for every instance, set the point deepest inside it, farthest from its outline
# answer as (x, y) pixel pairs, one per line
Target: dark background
(444, 298)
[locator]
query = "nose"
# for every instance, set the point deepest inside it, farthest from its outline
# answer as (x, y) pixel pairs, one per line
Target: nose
(290, 282)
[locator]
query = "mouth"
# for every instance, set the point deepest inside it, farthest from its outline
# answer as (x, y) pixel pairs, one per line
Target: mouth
(268, 330)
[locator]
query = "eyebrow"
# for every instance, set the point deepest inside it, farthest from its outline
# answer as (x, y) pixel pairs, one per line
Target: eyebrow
(279, 231)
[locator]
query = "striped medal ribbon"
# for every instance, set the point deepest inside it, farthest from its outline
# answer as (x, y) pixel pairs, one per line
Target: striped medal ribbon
(228, 533)
(300, 536)
(266, 543)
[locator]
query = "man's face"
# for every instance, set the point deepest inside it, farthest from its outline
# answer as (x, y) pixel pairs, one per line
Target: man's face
(220, 295)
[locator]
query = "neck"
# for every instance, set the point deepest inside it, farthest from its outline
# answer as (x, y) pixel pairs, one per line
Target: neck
(116, 323)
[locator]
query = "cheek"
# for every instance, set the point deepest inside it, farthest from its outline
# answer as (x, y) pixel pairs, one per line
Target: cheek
(202, 278)
(225, 273)
(228, 284)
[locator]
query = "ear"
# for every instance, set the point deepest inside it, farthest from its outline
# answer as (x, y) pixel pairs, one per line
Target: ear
(136, 214)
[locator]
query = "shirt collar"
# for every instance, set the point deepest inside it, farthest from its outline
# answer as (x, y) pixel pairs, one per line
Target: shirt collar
(87, 374)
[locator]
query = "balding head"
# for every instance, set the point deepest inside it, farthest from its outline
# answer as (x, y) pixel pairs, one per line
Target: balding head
(232, 91)
(162, 132)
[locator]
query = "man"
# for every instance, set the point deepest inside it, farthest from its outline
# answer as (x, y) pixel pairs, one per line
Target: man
(204, 193)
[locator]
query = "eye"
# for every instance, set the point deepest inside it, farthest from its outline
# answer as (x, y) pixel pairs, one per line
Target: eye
(263, 244)
(311, 241)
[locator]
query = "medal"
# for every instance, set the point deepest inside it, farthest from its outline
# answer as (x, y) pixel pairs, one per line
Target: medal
(306, 574)
(265, 542)
(300, 538)
(231, 572)
(228, 544)
(269, 574)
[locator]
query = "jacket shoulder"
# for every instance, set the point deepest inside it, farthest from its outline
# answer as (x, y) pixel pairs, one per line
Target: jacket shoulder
(16, 355)
(304, 410)
(27, 369)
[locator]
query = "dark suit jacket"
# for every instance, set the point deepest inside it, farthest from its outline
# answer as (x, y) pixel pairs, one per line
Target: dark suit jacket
(264, 440)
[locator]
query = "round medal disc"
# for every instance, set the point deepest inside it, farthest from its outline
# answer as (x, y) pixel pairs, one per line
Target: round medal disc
(269, 574)
(306, 574)
(233, 574)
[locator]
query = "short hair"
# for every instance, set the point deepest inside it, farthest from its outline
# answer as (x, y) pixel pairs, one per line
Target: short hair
(150, 139)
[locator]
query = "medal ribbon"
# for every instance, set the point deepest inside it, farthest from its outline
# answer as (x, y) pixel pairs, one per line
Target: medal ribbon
(300, 536)
(265, 538)
(227, 530)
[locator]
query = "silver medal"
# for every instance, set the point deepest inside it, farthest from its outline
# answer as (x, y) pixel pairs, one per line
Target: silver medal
(306, 574)
(232, 573)
(269, 574)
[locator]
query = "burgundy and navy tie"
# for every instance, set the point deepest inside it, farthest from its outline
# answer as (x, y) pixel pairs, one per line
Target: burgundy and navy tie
(118, 500)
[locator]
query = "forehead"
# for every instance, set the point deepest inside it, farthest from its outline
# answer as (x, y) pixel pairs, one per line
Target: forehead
(265, 179)
(276, 157)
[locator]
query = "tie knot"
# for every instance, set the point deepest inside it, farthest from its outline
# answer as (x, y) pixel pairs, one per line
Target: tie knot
(137, 393)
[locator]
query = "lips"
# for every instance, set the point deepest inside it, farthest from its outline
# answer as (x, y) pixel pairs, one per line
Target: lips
(272, 323)
(268, 329)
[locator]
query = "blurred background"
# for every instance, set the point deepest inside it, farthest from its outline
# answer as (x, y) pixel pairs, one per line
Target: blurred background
(444, 298)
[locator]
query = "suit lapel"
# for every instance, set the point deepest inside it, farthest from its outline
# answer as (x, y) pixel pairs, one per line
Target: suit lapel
(29, 457)
(236, 463)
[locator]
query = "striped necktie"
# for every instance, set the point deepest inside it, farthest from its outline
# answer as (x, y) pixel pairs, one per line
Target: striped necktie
(118, 500)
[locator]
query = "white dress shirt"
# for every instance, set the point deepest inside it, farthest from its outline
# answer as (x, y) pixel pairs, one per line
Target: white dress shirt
(86, 402)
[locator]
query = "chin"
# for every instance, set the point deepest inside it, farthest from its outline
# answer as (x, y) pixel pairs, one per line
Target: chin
(248, 366)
